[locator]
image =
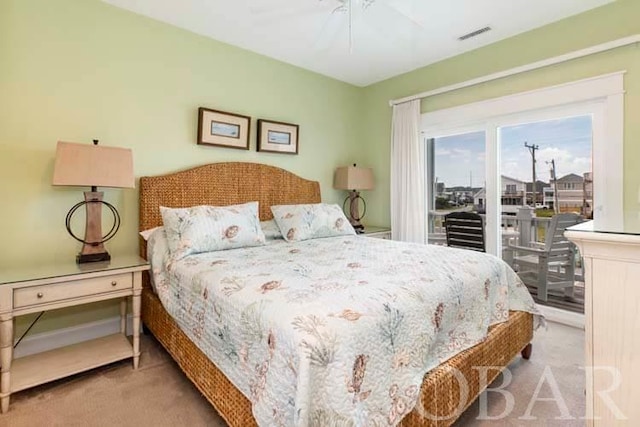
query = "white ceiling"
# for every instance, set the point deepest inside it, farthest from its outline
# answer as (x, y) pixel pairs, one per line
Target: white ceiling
(390, 37)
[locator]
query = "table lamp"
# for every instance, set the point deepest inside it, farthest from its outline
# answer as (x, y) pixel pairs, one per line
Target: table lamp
(93, 166)
(354, 179)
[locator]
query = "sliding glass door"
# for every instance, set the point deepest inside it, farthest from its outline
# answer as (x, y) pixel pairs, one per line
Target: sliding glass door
(546, 174)
(552, 156)
(518, 173)
(456, 168)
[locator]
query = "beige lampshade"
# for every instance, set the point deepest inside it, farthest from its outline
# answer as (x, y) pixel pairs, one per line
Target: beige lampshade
(91, 165)
(353, 178)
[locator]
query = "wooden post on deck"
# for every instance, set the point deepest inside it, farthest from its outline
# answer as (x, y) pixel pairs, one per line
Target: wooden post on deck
(524, 218)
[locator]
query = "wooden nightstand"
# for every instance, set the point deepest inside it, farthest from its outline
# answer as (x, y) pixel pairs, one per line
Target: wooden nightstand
(46, 287)
(377, 232)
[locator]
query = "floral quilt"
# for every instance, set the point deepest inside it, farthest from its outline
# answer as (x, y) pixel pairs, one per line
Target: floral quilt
(334, 331)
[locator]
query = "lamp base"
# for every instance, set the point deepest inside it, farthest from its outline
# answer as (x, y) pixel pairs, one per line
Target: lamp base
(354, 213)
(103, 256)
(93, 242)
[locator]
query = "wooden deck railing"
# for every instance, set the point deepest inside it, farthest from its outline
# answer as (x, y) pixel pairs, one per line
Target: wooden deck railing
(529, 228)
(523, 229)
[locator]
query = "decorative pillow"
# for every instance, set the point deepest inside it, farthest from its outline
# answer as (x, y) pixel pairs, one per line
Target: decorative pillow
(211, 228)
(304, 222)
(270, 229)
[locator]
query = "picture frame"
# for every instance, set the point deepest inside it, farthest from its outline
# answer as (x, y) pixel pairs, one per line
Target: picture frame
(223, 129)
(278, 137)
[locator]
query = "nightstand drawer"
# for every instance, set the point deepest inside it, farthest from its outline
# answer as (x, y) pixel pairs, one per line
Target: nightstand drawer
(43, 294)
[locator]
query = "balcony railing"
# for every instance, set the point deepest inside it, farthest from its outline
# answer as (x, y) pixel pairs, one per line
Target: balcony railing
(522, 229)
(511, 227)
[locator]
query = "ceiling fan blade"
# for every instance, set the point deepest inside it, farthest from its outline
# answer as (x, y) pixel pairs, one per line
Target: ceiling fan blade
(392, 13)
(260, 7)
(384, 17)
(286, 10)
(334, 25)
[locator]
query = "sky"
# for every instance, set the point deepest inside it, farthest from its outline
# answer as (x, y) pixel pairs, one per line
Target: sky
(567, 141)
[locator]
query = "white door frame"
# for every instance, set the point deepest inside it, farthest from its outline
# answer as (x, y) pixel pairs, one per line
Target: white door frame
(601, 96)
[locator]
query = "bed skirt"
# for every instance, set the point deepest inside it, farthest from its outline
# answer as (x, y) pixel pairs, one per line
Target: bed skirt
(442, 398)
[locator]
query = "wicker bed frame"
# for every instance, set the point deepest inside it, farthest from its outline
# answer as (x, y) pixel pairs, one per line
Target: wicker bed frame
(443, 399)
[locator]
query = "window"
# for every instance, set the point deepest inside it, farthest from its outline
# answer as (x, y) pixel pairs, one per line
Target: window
(560, 148)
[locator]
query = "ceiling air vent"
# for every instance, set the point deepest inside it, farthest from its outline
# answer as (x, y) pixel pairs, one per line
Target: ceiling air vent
(474, 33)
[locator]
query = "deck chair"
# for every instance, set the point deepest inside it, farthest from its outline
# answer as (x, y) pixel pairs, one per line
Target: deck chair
(465, 230)
(552, 266)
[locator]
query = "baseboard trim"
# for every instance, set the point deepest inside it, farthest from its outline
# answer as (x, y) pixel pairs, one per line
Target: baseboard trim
(45, 341)
(564, 317)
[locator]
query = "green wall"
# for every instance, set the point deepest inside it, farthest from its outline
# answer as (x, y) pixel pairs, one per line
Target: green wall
(616, 20)
(74, 70)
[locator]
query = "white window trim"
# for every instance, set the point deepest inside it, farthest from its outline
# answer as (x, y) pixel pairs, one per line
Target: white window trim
(601, 96)
(471, 116)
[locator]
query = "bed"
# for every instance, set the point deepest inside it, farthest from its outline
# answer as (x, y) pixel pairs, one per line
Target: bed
(445, 391)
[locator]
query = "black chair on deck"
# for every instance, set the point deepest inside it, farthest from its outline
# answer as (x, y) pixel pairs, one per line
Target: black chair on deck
(465, 230)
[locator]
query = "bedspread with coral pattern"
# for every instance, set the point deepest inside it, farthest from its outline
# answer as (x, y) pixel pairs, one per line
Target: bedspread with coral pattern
(334, 331)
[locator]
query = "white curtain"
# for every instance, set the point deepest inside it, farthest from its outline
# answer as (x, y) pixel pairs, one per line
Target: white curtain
(408, 174)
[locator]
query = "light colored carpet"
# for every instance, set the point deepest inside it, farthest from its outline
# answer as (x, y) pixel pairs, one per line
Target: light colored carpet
(560, 349)
(159, 395)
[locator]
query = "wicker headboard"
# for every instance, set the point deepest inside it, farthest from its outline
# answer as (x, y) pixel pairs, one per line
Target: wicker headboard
(221, 184)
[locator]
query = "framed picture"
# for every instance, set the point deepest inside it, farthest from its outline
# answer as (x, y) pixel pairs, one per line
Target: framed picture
(223, 129)
(277, 137)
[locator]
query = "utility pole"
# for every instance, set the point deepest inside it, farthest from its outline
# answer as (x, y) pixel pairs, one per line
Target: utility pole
(532, 150)
(470, 193)
(556, 208)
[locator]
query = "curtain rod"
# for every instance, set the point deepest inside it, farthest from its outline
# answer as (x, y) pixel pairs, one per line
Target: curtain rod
(614, 44)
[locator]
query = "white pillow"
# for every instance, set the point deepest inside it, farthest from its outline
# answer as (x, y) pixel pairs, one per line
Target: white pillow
(146, 234)
(211, 228)
(270, 229)
(304, 222)
(157, 255)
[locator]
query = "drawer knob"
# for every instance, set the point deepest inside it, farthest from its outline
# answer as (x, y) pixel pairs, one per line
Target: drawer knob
(40, 295)
(114, 283)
